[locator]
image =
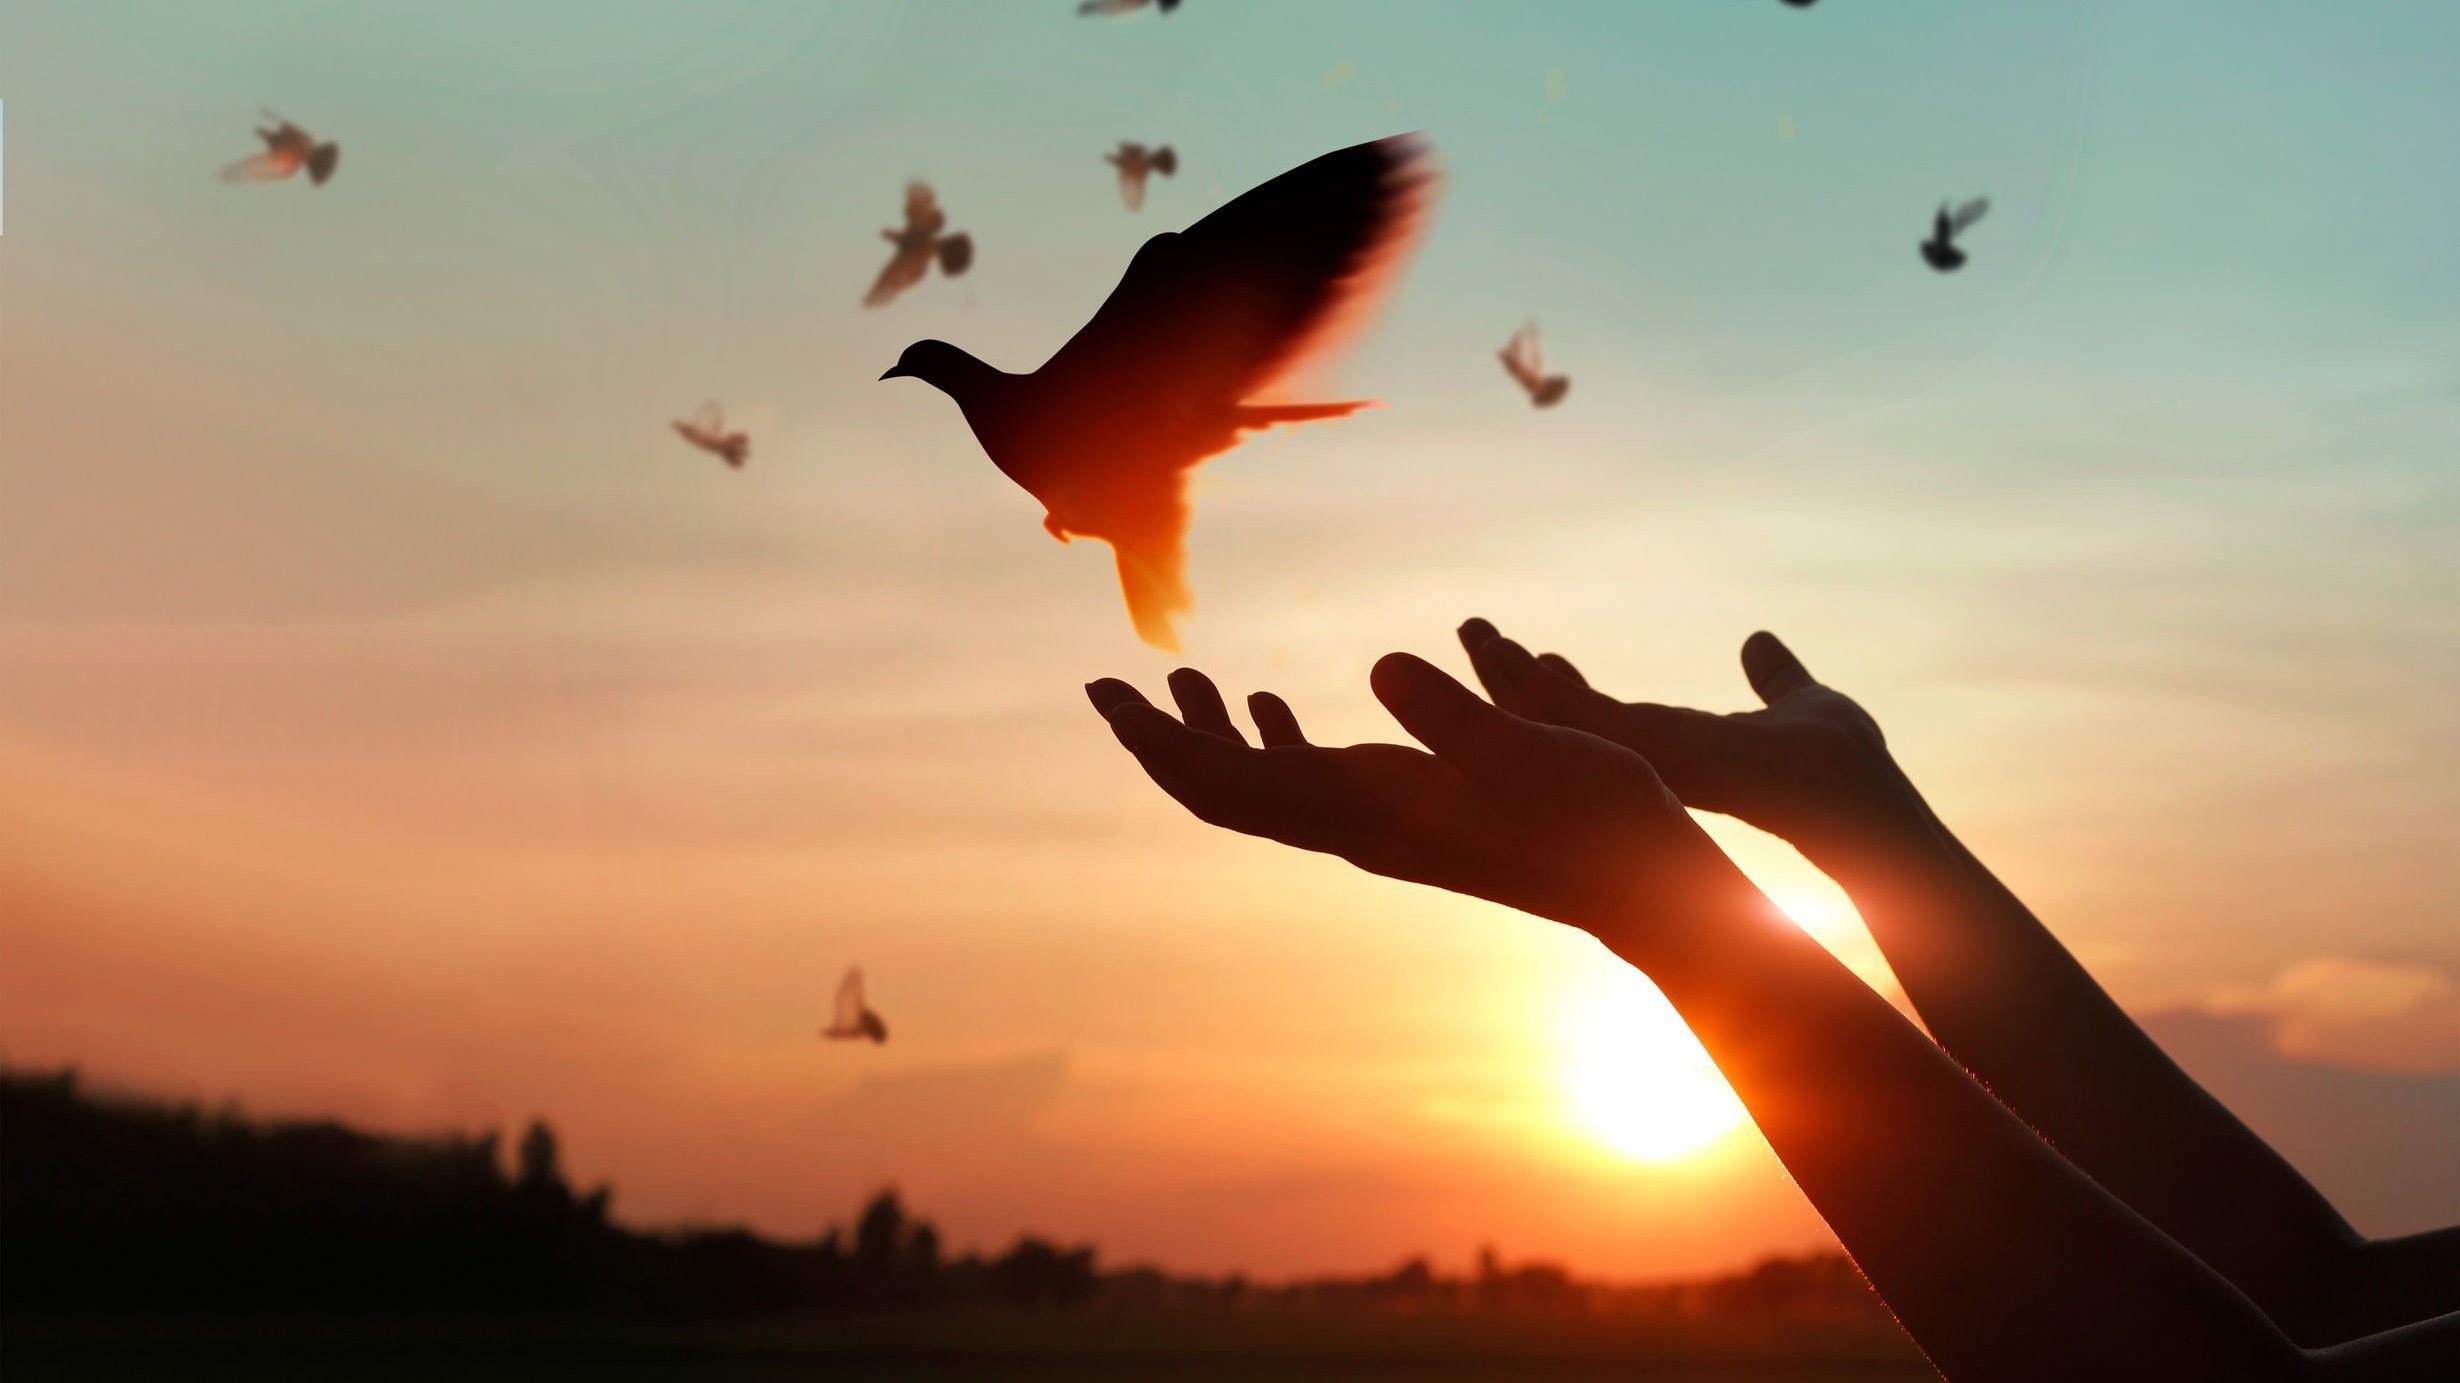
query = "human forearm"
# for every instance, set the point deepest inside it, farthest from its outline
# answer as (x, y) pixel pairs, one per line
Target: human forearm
(2003, 996)
(2000, 1259)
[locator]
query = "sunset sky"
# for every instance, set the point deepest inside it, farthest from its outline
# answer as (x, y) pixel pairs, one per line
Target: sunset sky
(397, 721)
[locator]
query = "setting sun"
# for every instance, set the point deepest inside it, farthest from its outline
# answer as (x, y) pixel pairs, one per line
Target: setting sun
(1635, 1079)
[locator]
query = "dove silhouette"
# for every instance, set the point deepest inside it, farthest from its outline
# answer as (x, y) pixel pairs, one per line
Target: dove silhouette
(853, 1019)
(1522, 361)
(288, 149)
(1205, 328)
(1134, 161)
(1940, 250)
(919, 243)
(706, 430)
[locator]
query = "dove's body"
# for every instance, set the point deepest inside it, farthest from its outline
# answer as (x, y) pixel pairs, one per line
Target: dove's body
(1170, 369)
(1527, 367)
(1940, 250)
(853, 1019)
(1135, 163)
(919, 242)
(288, 149)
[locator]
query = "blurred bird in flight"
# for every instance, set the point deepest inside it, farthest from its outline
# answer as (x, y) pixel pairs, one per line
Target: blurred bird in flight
(1208, 328)
(1121, 6)
(287, 150)
(1522, 361)
(706, 430)
(1134, 161)
(1940, 250)
(917, 245)
(854, 1021)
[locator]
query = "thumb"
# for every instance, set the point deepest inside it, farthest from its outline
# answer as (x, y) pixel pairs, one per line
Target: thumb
(1772, 667)
(1448, 718)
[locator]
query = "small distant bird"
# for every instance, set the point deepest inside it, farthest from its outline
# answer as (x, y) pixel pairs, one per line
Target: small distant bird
(1134, 161)
(287, 150)
(1940, 250)
(917, 245)
(1799, 4)
(1207, 325)
(854, 1021)
(706, 430)
(1522, 361)
(1121, 6)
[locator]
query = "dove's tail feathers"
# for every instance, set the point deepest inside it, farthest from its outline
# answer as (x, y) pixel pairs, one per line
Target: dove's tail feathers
(1551, 391)
(1269, 414)
(736, 449)
(1165, 162)
(321, 161)
(956, 254)
(1155, 585)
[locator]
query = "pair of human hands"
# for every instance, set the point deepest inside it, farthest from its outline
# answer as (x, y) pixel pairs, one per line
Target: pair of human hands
(1555, 799)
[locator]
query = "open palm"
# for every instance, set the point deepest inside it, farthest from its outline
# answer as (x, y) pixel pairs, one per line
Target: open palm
(1550, 820)
(1809, 765)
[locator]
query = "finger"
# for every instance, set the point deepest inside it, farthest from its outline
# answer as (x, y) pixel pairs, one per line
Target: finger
(1208, 775)
(1474, 632)
(1109, 693)
(1562, 667)
(1200, 702)
(1478, 738)
(1527, 687)
(1276, 724)
(1772, 667)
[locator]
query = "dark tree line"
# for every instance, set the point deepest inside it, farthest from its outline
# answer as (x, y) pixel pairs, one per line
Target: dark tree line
(110, 1205)
(122, 1206)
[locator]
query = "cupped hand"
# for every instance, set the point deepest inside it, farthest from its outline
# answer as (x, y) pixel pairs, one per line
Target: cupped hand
(1546, 819)
(1809, 765)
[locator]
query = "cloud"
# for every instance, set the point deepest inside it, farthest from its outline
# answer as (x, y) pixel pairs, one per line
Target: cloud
(2383, 1015)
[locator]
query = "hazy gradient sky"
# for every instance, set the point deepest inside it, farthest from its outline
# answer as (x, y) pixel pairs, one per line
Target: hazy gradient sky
(396, 720)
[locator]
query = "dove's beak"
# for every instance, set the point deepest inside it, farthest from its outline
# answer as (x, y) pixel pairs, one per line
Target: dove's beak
(898, 372)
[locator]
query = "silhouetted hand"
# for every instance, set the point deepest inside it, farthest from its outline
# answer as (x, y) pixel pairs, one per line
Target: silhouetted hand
(1545, 819)
(1809, 766)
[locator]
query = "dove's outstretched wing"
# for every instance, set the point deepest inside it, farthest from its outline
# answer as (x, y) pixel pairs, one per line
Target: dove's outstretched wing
(849, 1010)
(1969, 213)
(1132, 184)
(922, 209)
(1520, 358)
(1089, 7)
(708, 418)
(1243, 300)
(904, 269)
(266, 167)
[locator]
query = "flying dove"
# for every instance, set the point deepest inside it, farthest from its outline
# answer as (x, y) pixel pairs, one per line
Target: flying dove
(706, 430)
(1121, 6)
(1522, 361)
(854, 1021)
(1134, 161)
(1207, 329)
(287, 149)
(917, 245)
(1940, 250)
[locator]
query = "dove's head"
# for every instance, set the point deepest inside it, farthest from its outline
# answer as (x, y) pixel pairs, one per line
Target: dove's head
(943, 366)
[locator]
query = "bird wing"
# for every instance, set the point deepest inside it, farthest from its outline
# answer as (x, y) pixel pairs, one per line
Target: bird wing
(849, 1000)
(1132, 184)
(905, 268)
(922, 209)
(1969, 213)
(270, 166)
(1108, 6)
(1244, 299)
